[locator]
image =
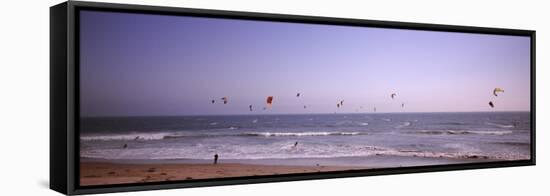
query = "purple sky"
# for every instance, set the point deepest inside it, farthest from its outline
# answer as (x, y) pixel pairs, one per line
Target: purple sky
(138, 64)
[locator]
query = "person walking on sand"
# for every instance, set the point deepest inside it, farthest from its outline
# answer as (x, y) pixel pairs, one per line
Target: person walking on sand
(216, 159)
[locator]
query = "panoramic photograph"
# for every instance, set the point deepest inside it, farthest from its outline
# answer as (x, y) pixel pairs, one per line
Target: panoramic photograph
(181, 98)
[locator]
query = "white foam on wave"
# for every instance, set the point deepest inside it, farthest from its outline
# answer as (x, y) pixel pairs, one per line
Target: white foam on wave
(344, 122)
(129, 136)
(456, 155)
(285, 150)
(500, 125)
(271, 134)
(461, 132)
(481, 132)
(404, 124)
(176, 135)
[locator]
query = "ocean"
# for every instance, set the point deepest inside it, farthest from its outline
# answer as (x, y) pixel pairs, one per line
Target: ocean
(374, 139)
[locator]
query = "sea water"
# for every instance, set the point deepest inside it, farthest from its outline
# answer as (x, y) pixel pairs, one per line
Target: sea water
(307, 139)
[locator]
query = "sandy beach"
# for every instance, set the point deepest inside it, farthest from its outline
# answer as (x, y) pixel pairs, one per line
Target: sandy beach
(97, 173)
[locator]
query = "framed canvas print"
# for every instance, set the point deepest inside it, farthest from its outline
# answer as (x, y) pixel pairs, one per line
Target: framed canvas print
(146, 97)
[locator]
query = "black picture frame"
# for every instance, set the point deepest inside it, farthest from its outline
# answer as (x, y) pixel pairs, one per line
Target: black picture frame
(64, 96)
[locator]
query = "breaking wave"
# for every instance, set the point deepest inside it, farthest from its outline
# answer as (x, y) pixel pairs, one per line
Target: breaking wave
(460, 132)
(500, 125)
(165, 135)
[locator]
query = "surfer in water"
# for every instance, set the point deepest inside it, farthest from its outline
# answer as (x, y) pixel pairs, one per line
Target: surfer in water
(295, 146)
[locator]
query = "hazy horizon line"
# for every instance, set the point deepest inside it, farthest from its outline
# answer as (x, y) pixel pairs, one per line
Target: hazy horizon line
(270, 114)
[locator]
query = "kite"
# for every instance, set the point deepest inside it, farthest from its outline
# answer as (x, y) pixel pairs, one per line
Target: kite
(250, 107)
(213, 101)
(393, 95)
(224, 100)
(298, 95)
(269, 101)
(497, 90)
(491, 104)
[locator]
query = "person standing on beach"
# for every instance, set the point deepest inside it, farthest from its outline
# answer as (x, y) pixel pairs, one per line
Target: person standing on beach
(216, 159)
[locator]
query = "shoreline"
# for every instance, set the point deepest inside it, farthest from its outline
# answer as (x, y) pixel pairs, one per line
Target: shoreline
(105, 173)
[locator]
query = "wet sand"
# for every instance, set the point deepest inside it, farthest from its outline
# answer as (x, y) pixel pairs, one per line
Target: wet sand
(99, 173)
